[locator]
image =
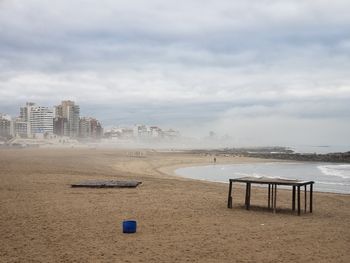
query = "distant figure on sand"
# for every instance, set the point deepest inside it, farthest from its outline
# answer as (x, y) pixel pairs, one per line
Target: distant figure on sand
(214, 159)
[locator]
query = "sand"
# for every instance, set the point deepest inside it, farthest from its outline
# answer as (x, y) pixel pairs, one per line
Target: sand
(43, 219)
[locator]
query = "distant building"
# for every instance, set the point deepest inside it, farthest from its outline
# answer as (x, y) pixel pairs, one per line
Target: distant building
(155, 131)
(34, 120)
(84, 128)
(25, 111)
(90, 128)
(141, 131)
(127, 133)
(5, 125)
(60, 126)
(120, 133)
(41, 120)
(20, 128)
(70, 111)
(24, 116)
(171, 134)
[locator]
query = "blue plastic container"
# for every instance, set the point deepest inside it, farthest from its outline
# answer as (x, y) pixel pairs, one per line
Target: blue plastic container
(129, 226)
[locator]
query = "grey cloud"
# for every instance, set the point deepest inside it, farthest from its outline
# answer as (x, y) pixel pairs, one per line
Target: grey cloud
(191, 63)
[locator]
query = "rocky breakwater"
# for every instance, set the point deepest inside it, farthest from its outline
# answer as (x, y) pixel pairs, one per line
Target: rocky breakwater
(282, 153)
(330, 157)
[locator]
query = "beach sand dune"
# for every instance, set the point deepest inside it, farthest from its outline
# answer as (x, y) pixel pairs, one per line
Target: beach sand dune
(43, 219)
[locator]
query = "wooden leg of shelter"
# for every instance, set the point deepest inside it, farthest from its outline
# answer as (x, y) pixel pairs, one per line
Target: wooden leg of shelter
(305, 198)
(275, 199)
(299, 200)
(293, 198)
(229, 200)
(250, 191)
(311, 198)
(272, 195)
(269, 195)
(247, 196)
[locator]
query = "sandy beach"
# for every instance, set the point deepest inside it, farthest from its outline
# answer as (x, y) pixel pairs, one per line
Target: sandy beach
(43, 219)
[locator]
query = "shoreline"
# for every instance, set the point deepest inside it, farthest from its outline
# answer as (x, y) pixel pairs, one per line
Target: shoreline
(170, 170)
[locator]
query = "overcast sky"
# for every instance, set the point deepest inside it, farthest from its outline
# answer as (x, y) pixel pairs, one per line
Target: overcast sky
(263, 72)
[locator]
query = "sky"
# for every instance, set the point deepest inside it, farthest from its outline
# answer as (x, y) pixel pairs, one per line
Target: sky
(260, 71)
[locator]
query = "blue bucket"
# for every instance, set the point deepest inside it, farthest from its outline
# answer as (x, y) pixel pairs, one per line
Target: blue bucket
(129, 226)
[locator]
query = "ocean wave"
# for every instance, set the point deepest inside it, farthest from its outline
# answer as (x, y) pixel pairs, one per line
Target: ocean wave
(332, 183)
(339, 170)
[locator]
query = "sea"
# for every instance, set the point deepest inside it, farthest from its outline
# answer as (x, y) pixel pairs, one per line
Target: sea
(328, 177)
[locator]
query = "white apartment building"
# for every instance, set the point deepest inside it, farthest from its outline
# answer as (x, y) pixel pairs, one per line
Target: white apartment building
(41, 120)
(35, 120)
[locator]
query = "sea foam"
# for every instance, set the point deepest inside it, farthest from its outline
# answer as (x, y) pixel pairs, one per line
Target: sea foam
(339, 170)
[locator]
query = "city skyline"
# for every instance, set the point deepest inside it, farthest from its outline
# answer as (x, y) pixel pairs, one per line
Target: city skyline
(263, 72)
(18, 112)
(37, 121)
(64, 121)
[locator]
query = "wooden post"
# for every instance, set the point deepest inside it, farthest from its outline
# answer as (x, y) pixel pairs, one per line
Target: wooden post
(305, 196)
(269, 196)
(272, 195)
(250, 190)
(247, 196)
(229, 200)
(311, 186)
(298, 200)
(293, 198)
(275, 199)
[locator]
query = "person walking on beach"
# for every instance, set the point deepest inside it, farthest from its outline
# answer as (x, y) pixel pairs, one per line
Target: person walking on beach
(214, 159)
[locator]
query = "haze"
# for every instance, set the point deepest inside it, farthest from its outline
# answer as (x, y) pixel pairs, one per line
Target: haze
(262, 72)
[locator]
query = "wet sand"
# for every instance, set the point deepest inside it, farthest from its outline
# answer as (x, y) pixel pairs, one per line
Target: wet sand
(43, 219)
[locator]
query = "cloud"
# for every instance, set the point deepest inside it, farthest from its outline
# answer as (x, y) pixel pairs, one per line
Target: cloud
(194, 64)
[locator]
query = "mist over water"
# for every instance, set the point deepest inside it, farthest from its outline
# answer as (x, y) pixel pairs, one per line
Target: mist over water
(333, 178)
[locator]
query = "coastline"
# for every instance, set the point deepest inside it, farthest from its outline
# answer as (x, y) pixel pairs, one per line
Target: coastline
(223, 160)
(206, 172)
(179, 219)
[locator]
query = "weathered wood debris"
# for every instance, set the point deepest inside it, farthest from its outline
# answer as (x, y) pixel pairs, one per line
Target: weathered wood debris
(107, 184)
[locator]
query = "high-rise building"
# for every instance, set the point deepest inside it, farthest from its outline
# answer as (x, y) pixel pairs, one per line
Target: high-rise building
(25, 111)
(90, 128)
(70, 111)
(84, 128)
(60, 126)
(25, 117)
(41, 120)
(5, 125)
(34, 119)
(21, 128)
